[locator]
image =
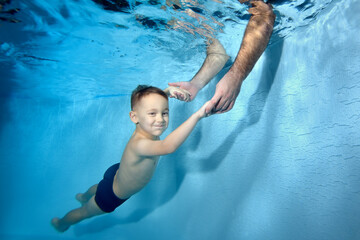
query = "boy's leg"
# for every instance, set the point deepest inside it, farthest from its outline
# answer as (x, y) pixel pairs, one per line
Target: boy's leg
(88, 210)
(85, 197)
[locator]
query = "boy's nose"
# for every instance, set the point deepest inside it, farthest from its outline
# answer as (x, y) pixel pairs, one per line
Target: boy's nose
(160, 118)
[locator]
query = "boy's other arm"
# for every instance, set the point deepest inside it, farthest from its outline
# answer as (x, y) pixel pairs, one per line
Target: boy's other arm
(179, 93)
(147, 147)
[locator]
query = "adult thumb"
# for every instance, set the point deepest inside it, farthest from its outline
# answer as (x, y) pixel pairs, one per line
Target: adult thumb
(175, 84)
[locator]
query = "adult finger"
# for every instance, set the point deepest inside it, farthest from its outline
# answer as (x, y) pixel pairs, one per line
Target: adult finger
(228, 108)
(225, 106)
(175, 84)
(210, 107)
(220, 104)
(231, 106)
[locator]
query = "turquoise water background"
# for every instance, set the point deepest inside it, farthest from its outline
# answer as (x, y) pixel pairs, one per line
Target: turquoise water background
(283, 164)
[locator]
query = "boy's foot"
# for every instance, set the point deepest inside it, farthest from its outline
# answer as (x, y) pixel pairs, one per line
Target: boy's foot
(80, 198)
(56, 224)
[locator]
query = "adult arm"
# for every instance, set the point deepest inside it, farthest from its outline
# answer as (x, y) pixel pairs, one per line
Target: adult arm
(215, 60)
(255, 40)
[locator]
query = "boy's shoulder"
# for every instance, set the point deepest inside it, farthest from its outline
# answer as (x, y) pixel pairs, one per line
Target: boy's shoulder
(137, 140)
(137, 149)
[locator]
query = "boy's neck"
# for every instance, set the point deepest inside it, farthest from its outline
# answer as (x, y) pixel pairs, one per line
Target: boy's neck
(139, 131)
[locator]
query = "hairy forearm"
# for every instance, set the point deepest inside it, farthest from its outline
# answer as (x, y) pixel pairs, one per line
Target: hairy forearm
(255, 40)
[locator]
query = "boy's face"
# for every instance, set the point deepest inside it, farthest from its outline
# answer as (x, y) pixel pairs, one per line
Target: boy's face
(152, 114)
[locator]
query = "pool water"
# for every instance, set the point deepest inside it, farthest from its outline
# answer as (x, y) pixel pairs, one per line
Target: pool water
(283, 164)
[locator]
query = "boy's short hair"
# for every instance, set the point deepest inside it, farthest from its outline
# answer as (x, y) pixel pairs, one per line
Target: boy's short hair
(144, 90)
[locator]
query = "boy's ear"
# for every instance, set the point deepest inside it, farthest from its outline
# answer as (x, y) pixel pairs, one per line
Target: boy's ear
(133, 117)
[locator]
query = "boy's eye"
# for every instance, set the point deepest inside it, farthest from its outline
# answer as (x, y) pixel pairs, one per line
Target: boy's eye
(151, 113)
(165, 114)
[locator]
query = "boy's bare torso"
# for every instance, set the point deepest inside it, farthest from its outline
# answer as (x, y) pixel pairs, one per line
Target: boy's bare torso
(135, 171)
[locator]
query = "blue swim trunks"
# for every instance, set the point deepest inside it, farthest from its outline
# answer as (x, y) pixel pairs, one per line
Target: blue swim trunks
(105, 197)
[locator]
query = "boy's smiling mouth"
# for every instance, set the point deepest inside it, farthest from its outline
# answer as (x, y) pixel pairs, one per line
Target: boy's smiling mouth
(159, 126)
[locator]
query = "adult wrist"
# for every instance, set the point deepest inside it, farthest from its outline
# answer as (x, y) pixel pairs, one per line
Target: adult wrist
(236, 75)
(197, 84)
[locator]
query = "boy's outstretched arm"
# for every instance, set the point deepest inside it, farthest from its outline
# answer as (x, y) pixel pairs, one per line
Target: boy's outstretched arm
(146, 147)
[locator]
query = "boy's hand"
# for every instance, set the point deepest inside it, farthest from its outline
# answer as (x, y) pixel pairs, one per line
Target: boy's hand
(178, 93)
(201, 112)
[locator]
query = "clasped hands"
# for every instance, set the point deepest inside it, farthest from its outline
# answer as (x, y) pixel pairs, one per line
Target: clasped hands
(223, 100)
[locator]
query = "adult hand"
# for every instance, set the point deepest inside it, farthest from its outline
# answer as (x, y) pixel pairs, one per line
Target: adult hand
(188, 86)
(225, 95)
